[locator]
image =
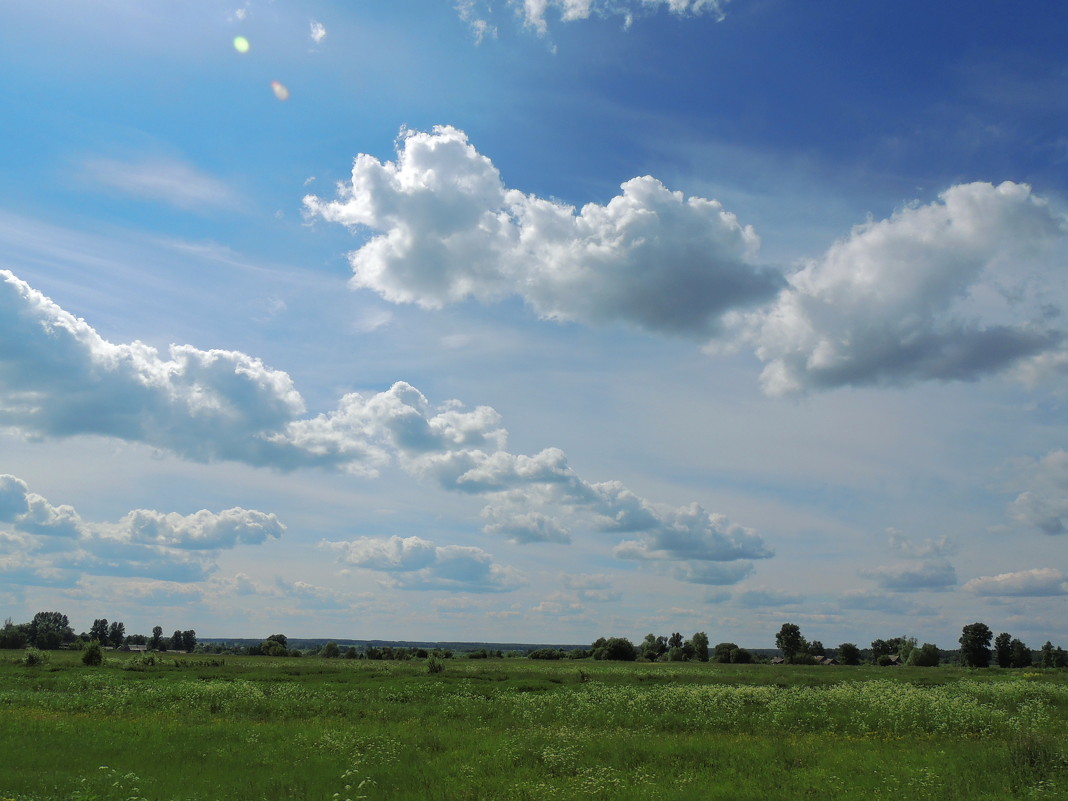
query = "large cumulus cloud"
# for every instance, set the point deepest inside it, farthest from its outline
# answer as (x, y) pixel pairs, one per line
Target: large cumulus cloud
(955, 289)
(940, 291)
(448, 229)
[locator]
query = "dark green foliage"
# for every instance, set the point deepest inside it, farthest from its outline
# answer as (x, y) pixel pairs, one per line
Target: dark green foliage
(815, 648)
(924, 656)
(116, 634)
(49, 630)
(34, 658)
(92, 655)
(618, 649)
(157, 638)
(699, 641)
(1019, 654)
(1003, 649)
(790, 641)
(740, 656)
(545, 653)
(722, 652)
(351, 653)
(330, 651)
(975, 645)
(1050, 657)
(435, 665)
(12, 635)
(652, 647)
(848, 654)
(99, 630)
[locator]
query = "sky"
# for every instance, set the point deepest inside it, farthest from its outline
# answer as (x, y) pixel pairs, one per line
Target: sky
(535, 321)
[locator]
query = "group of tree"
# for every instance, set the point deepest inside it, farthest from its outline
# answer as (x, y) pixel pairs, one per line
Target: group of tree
(52, 630)
(894, 651)
(1008, 651)
(674, 648)
(47, 631)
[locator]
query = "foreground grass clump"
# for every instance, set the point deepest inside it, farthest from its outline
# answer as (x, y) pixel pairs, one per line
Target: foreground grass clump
(262, 728)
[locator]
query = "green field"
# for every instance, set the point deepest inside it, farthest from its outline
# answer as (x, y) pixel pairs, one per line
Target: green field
(253, 728)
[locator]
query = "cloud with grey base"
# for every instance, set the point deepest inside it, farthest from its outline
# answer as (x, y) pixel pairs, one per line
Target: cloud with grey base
(1039, 582)
(446, 228)
(60, 378)
(54, 544)
(951, 290)
(413, 563)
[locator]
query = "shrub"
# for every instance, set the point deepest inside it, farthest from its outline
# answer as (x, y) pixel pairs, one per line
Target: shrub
(435, 665)
(33, 658)
(544, 653)
(92, 655)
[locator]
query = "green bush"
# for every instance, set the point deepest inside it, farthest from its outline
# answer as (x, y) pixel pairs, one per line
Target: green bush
(92, 655)
(33, 658)
(435, 665)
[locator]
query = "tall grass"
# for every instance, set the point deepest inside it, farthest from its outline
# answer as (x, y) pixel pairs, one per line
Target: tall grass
(260, 728)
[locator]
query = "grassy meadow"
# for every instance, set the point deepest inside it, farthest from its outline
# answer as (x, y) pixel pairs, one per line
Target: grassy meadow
(216, 728)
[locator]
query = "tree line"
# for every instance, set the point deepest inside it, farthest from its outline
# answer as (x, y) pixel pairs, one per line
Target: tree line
(48, 631)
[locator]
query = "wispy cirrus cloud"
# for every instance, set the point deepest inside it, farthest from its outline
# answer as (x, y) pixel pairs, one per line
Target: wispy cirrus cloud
(162, 179)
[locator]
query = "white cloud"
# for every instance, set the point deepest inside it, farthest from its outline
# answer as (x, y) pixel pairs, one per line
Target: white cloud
(59, 378)
(164, 179)
(942, 291)
(927, 575)
(56, 543)
(1041, 581)
(525, 527)
(317, 31)
(1045, 505)
(449, 229)
(413, 563)
(691, 533)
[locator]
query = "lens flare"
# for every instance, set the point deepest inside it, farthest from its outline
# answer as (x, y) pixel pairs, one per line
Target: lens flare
(279, 90)
(241, 44)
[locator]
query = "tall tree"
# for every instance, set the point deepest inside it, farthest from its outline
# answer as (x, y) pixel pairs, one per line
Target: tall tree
(116, 633)
(700, 646)
(1019, 654)
(157, 638)
(975, 645)
(1003, 649)
(49, 630)
(99, 630)
(790, 641)
(189, 640)
(848, 654)
(675, 640)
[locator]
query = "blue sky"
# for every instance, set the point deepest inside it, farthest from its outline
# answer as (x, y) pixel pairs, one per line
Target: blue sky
(535, 321)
